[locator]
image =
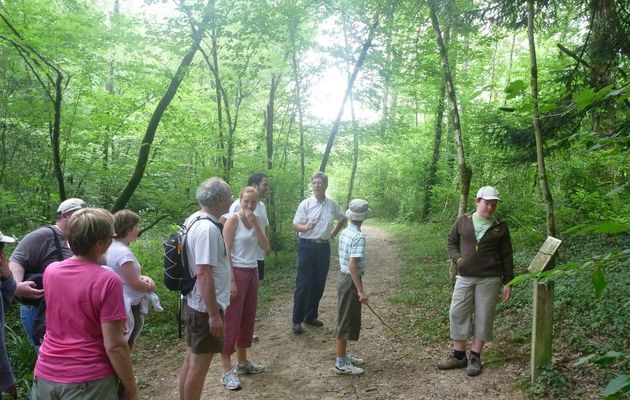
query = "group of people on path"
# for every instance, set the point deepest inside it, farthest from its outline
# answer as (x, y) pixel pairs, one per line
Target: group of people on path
(94, 316)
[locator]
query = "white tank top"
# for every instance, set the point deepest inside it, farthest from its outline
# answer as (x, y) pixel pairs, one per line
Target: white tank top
(245, 247)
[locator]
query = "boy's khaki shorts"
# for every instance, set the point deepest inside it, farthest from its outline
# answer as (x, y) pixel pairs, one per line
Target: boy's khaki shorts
(348, 309)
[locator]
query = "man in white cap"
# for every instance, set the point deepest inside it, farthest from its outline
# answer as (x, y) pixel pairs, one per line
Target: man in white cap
(481, 248)
(31, 257)
(350, 290)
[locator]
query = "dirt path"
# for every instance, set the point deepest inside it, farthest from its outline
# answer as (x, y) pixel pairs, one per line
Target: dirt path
(300, 366)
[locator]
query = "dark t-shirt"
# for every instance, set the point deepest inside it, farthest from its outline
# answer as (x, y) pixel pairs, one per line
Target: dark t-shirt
(38, 249)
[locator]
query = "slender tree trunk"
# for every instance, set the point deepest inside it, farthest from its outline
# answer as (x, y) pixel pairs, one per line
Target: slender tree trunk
(509, 74)
(437, 142)
(218, 86)
(493, 70)
(605, 32)
(465, 173)
(355, 133)
(300, 115)
(357, 67)
(55, 136)
(355, 152)
(154, 122)
(542, 174)
(269, 118)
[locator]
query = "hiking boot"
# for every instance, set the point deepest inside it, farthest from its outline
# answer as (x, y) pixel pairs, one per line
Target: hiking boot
(297, 328)
(249, 368)
(474, 365)
(230, 380)
(355, 360)
(452, 363)
(313, 322)
(348, 369)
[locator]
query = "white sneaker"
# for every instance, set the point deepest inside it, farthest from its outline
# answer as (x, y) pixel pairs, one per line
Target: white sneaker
(249, 368)
(230, 380)
(355, 360)
(348, 369)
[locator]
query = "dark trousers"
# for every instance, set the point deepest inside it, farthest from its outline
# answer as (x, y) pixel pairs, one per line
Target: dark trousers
(310, 280)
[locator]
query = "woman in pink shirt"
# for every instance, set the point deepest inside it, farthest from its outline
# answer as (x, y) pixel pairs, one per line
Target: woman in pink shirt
(84, 352)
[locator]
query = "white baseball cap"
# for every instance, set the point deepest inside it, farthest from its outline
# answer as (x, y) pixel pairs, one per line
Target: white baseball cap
(7, 239)
(70, 205)
(488, 193)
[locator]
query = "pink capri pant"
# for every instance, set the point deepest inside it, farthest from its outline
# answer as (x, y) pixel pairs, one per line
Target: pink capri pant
(241, 313)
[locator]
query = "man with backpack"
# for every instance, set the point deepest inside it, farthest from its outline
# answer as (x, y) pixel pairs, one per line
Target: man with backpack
(205, 304)
(29, 260)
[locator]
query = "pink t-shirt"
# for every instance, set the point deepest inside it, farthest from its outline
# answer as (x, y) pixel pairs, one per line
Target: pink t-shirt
(79, 295)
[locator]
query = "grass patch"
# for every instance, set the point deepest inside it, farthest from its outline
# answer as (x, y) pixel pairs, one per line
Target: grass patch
(424, 282)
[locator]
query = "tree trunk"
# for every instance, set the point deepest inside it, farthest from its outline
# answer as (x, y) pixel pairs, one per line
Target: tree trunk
(465, 173)
(269, 117)
(55, 137)
(357, 67)
(298, 104)
(154, 122)
(540, 157)
(355, 129)
(431, 171)
(603, 52)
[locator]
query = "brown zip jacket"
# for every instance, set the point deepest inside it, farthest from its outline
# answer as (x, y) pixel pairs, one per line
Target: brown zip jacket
(491, 256)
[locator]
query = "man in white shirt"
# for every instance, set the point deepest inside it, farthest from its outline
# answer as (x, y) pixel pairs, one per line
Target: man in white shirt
(314, 223)
(206, 303)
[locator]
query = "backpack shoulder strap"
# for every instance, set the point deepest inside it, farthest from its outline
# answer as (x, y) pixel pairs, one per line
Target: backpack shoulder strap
(57, 243)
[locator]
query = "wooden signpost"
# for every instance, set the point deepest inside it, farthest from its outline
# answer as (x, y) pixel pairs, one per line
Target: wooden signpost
(542, 324)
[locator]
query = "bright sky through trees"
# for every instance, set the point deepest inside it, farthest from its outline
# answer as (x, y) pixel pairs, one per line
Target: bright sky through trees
(328, 87)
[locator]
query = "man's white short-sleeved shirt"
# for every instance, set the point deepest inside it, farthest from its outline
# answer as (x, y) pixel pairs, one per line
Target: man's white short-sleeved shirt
(323, 214)
(205, 246)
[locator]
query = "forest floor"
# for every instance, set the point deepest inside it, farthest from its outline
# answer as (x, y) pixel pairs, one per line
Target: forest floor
(397, 366)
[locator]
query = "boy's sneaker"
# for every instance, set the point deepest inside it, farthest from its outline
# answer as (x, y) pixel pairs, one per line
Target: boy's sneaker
(474, 365)
(355, 360)
(249, 368)
(230, 380)
(348, 369)
(452, 363)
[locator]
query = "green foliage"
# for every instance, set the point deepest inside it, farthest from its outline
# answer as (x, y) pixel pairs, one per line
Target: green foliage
(22, 357)
(551, 383)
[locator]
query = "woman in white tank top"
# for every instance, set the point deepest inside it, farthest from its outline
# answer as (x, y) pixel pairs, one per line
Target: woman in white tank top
(243, 235)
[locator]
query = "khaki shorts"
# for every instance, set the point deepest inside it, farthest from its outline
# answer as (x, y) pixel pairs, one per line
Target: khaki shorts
(198, 336)
(348, 309)
(102, 389)
(473, 307)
